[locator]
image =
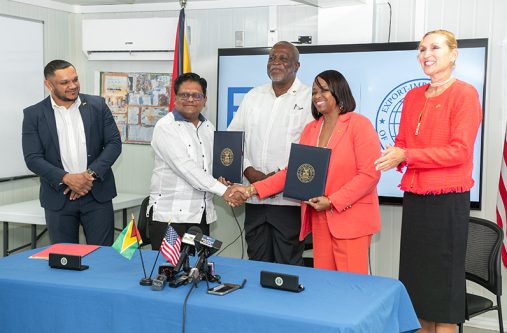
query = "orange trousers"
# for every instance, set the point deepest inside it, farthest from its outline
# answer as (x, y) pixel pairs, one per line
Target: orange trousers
(344, 255)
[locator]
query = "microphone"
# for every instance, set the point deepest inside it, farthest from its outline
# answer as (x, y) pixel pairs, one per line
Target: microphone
(206, 243)
(188, 245)
(206, 246)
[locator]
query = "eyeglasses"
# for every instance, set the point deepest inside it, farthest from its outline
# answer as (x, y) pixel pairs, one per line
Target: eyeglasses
(195, 96)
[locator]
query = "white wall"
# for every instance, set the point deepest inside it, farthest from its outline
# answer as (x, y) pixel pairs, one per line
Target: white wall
(346, 24)
(56, 35)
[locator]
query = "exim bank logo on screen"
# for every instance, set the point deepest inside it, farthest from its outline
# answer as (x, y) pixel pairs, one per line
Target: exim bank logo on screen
(388, 117)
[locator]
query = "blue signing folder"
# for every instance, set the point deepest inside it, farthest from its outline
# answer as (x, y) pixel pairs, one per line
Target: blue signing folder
(307, 172)
(228, 155)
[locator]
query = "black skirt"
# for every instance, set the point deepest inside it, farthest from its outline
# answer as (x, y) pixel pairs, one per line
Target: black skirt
(432, 254)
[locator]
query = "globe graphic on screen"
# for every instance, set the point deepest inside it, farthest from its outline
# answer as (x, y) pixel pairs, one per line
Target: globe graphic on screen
(389, 111)
(394, 119)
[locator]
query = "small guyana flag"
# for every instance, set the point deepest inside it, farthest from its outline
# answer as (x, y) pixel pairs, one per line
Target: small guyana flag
(128, 241)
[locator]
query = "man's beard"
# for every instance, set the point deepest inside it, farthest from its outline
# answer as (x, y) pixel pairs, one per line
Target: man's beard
(64, 98)
(279, 77)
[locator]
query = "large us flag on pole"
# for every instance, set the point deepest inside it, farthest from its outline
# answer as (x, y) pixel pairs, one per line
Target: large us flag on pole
(181, 58)
(501, 203)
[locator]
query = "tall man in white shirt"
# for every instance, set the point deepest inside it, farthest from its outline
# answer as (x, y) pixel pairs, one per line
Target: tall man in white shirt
(70, 140)
(273, 116)
(182, 186)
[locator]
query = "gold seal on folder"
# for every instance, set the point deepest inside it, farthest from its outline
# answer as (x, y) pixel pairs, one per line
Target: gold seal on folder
(305, 173)
(226, 157)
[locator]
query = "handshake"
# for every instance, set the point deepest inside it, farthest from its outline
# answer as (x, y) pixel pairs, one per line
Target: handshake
(237, 194)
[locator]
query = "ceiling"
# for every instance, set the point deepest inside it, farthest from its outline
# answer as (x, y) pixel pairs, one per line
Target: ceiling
(316, 3)
(112, 2)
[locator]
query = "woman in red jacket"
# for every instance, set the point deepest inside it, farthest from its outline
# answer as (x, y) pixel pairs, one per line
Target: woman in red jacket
(435, 141)
(345, 218)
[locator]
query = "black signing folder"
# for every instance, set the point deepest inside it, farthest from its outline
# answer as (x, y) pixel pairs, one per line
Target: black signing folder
(306, 172)
(228, 155)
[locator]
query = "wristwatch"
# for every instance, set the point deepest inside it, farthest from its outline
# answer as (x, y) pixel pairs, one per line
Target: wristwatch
(92, 173)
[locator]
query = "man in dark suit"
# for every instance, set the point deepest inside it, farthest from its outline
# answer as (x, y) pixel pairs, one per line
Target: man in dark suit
(70, 140)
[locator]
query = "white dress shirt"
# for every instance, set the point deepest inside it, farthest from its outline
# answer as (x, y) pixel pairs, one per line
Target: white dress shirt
(181, 185)
(71, 137)
(271, 124)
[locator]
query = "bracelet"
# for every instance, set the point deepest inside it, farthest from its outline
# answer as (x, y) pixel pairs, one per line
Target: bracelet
(330, 204)
(251, 190)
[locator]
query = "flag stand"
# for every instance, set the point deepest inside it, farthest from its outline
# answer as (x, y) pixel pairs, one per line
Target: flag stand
(126, 246)
(145, 281)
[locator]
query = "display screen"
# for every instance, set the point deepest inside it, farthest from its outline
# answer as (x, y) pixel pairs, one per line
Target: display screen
(379, 75)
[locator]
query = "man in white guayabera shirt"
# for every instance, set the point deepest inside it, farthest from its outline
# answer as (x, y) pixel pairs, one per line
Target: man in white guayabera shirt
(273, 116)
(182, 186)
(70, 140)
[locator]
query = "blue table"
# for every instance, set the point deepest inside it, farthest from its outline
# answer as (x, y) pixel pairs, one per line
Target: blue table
(108, 298)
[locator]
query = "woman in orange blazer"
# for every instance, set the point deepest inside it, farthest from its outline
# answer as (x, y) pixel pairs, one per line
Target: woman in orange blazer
(345, 218)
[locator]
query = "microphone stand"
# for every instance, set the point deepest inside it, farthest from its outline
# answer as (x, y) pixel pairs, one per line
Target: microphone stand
(209, 274)
(206, 271)
(186, 266)
(198, 272)
(206, 274)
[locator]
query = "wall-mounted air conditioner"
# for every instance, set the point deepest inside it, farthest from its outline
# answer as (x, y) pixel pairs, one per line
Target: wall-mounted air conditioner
(129, 39)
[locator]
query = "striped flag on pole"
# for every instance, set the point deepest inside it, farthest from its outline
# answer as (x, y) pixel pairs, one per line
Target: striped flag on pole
(501, 203)
(170, 247)
(181, 62)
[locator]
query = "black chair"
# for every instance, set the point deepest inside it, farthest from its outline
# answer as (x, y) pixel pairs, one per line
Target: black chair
(308, 241)
(143, 223)
(482, 266)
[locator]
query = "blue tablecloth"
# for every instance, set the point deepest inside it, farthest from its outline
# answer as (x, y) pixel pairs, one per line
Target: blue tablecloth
(108, 298)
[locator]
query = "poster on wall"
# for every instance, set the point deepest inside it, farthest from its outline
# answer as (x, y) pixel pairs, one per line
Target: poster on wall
(137, 101)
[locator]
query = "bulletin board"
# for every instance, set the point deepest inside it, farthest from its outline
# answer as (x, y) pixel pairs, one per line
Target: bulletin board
(137, 101)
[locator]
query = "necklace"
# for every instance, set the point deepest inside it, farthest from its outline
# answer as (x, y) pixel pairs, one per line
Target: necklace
(439, 84)
(420, 118)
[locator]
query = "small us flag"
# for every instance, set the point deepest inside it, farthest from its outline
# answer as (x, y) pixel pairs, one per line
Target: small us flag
(170, 247)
